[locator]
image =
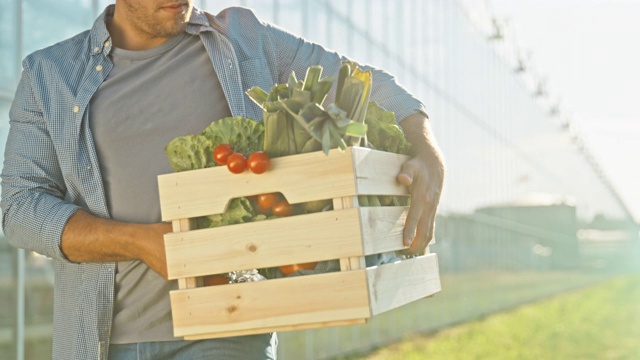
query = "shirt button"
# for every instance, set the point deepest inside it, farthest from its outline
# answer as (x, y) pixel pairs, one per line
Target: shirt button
(107, 43)
(76, 109)
(96, 50)
(99, 68)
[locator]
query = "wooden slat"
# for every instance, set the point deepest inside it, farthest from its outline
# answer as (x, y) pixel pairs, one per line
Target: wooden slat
(276, 329)
(183, 225)
(376, 172)
(353, 262)
(313, 237)
(338, 296)
(396, 284)
(201, 192)
(207, 191)
(298, 239)
(382, 228)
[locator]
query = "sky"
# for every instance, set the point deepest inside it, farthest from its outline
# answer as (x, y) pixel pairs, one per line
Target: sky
(589, 53)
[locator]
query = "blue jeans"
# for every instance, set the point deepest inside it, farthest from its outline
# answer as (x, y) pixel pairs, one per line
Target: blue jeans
(251, 347)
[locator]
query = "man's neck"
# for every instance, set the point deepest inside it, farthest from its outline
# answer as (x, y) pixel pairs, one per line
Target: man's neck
(124, 38)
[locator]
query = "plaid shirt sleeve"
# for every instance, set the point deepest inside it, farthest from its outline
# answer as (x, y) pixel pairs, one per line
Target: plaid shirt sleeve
(33, 190)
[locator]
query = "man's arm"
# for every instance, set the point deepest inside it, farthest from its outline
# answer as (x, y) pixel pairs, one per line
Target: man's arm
(89, 238)
(33, 189)
(424, 176)
(37, 217)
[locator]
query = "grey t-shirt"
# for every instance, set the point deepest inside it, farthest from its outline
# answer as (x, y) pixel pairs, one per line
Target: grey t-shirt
(148, 98)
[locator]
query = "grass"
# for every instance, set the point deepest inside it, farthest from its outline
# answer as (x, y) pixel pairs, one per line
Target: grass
(599, 322)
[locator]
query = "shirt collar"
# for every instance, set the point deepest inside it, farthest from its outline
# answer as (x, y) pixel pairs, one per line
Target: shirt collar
(101, 40)
(198, 22)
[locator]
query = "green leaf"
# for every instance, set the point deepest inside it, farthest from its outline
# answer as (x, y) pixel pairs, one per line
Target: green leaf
(326, 138)
(282, 91)
(343, 74)
(351, 97)
(302, 96)
(189, 152)
(272, 106)
(258, 95)
(312, 77)
(336, 138)
(356, 129)
(244, 134)
(239, 211)
(312, 145)
(276, 137)
(335, 112)
(292, 83)
(312, 111)
(294, 104)
(303, 119)
(383, 132)
(273, 94)
(317, 122)
(320, 91)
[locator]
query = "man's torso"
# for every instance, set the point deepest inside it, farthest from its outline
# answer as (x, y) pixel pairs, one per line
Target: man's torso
(148, 98)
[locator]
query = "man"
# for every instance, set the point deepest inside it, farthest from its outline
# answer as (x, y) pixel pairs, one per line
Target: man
(89, 122)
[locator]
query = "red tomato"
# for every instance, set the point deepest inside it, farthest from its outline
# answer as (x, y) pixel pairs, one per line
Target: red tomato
(261, 209)
(258, 162)
(221, 153)
(236, 163)
(282, 208)
(290, 269)
(267, 200)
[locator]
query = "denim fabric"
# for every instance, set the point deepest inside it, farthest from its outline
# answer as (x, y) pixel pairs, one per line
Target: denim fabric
(253, 347)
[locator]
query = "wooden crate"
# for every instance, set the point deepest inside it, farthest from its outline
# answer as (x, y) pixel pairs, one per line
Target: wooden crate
(348, 233)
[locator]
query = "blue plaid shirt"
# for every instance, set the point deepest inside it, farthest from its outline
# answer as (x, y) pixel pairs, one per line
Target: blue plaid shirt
(51, 168)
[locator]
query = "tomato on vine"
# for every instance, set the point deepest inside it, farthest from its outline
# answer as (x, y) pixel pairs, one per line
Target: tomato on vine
(267, 200)
(261, 209)
(236, 163)
(258, 162)
(221, 153)
(282, 208)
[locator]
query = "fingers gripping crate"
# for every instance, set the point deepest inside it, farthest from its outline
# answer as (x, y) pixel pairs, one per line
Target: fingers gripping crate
(348, 233)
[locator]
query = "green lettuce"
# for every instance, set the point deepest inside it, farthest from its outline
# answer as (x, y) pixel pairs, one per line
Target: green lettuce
(243, 134)
(382, 131)
(384, 134)
(239, 211)
(193, 152)
(189, 152)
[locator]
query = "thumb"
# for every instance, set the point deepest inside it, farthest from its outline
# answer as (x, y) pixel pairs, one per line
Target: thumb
(405, 176)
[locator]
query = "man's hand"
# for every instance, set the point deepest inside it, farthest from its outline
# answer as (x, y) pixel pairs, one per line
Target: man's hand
(154, 254)
(88, 238)
(424, 176)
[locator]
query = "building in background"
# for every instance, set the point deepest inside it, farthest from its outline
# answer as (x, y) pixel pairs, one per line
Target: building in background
(507, 149)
